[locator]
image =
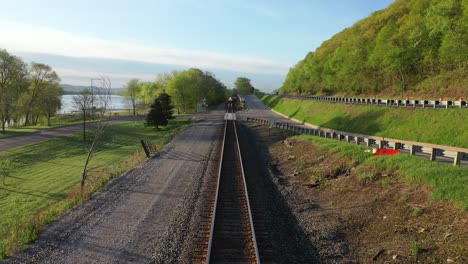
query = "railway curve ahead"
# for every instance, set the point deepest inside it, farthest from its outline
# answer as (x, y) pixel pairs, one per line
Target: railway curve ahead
(232, 236)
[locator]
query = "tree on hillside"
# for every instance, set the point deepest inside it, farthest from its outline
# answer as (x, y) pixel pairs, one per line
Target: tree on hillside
(51, 101)
(411, 46)
(181, 89)
(161, 111)
(148, 91)
(131, 91)
(12, 79)
(244, 86)
(42, 76)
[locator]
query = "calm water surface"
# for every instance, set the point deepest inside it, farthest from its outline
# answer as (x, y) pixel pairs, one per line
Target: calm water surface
(117, 103)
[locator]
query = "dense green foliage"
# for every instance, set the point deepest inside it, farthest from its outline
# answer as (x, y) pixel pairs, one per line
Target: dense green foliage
(411, 47)
(187, 89)
(447, 182)
(41, 186)
(243, 85)
(131, 91)
(438, 126)
(27, 93)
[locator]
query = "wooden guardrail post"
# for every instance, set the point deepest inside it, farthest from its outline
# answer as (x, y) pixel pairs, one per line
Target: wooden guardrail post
(413, 150)
(433, 154)
(457, 159)
(145, 148)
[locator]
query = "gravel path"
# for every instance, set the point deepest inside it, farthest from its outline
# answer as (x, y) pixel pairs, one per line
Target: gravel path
(130, 220)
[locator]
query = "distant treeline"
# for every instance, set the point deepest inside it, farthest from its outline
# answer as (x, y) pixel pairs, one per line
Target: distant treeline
(27, 92)
(77, 89)
(187, 89)
(411, 47)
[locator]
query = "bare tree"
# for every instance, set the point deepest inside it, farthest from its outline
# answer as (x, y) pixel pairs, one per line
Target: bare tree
(103, 107)
(82, 102)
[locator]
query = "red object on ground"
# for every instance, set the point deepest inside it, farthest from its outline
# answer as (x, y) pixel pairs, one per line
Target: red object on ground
(384, 151)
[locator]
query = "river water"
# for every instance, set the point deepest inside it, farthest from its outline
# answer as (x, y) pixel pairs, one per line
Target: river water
(117, 103)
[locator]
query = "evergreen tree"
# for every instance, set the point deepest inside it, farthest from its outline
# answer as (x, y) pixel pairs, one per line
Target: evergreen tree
(161, 111)
(166, 105)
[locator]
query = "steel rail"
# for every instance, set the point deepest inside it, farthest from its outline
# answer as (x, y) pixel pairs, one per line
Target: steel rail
(213, 217)
(244, 183)
(247, 197)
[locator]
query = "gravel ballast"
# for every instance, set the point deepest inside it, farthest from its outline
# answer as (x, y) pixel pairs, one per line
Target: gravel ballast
(126, 221)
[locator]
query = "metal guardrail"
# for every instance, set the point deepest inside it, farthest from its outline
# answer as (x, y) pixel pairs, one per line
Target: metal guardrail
(456, 155)
(387, 102)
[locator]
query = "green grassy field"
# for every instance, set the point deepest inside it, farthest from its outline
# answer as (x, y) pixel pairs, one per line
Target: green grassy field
(447, 182)
(47, 173)
(56, 121)
(438, 126)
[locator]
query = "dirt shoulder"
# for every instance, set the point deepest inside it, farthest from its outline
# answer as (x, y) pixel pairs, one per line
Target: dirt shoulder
(353, 221)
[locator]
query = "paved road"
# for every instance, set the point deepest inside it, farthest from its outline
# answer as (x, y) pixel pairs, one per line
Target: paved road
(124, 222)
(257, 108)
(46, 134)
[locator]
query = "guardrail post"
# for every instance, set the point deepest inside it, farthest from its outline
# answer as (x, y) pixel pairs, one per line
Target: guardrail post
(347, 137)
(368, 142)
(413, 150)
(397, 145)
(433, 154)
(145, 148)
(457, 159)
(381, 143)
(357, 140)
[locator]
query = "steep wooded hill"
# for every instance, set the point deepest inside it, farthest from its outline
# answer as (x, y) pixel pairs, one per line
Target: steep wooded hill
(413, 47)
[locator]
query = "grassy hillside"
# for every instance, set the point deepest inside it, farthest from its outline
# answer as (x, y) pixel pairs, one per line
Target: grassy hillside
(446, 182)
(438, 126)
(43, 186)
(411, 47)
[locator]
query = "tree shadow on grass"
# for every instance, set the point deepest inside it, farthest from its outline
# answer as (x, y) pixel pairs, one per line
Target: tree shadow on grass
(46, 195)
(365, 123)
(274, 102)
(295, 112)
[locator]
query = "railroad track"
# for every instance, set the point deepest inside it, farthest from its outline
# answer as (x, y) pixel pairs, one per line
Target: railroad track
(229, 237)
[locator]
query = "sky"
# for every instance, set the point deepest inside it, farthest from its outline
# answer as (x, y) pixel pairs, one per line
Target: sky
(257, 39)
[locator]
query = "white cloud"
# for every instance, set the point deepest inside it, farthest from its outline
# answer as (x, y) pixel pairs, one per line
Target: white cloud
(67, 73)
(25, 38)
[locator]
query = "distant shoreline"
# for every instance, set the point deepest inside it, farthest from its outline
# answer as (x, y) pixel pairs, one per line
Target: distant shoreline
(65, 92)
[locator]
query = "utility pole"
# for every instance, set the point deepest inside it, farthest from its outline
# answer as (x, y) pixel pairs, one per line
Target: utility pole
(92, 95)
